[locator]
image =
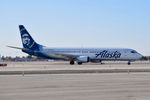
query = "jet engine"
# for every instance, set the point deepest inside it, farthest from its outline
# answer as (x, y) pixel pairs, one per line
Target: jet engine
(83, 59)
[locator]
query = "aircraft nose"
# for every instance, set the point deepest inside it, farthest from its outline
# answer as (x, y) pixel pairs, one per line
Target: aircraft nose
(140, 56)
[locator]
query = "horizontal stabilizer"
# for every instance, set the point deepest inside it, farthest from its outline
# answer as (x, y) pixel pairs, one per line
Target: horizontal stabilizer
(17, 48)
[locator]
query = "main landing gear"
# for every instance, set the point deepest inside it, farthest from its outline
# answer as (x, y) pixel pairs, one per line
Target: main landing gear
(72, 62)
(79, 63)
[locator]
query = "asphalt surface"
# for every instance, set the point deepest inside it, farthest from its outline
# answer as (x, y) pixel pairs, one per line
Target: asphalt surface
(16, 68)
(75, 86)
(115, 86)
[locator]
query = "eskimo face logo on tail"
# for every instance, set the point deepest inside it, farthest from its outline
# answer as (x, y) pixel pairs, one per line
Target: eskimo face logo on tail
(107, 54)
(26, 39)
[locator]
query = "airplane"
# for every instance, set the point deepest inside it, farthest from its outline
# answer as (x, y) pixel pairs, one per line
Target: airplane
(78, 55)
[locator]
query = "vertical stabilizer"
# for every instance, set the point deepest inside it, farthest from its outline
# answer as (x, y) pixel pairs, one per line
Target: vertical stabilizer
(27, 40)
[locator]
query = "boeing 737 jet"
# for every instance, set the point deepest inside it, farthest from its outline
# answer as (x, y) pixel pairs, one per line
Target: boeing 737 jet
(78, 55)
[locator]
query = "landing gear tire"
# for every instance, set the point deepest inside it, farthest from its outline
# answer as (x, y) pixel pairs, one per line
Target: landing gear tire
(101, 62)
(71, 62)
(79, 63)
(129, 63)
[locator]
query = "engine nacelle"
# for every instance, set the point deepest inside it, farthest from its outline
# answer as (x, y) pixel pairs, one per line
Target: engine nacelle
(83, 59)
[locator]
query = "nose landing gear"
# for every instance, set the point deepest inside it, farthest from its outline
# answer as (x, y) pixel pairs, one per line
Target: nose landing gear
(129, 63)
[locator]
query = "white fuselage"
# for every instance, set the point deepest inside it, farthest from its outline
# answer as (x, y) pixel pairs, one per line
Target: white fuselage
(94, 53)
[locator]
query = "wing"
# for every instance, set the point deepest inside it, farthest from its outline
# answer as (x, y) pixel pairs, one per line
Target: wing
(67, 56)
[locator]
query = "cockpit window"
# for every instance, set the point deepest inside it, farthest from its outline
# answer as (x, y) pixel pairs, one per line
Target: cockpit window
(133, 51)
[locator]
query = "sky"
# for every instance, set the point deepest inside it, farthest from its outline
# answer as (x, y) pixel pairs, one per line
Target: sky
(76, 23)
